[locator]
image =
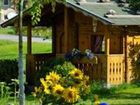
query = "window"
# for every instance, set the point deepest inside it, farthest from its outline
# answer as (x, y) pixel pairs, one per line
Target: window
(98, 44)
(6, 2)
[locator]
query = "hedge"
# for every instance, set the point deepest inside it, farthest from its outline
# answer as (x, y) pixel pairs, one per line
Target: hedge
(8, 70)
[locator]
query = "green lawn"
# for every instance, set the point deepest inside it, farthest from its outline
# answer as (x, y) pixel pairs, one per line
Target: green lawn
(30, 100)
(130, 96)
(9, 49)
(9, 30)
(123, 97)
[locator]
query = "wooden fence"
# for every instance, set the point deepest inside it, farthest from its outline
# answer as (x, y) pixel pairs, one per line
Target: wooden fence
(116, 69)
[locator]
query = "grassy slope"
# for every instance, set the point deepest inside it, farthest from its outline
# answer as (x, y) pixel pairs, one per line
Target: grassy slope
(9, 49)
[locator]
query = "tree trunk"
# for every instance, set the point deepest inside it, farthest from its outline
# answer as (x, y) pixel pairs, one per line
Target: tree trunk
(20, 60)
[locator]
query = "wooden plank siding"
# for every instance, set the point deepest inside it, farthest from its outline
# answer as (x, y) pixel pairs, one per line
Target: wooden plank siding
(75, 30)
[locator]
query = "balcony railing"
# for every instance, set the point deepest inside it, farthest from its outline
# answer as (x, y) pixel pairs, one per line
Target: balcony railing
(109, 69)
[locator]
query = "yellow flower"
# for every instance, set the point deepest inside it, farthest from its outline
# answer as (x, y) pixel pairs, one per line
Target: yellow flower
(45, 85)
(38, 90)
(71, 95)
(86, 86)
(78, 83)
(47, 90)
(43, 82)
(76, 73)
(97, 103)
(53, 76)
(96, 100)
(58, 89)
(86, 78)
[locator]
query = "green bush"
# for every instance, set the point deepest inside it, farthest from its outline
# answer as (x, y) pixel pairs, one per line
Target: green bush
(8, 70)
(135, 4)
(58, 65)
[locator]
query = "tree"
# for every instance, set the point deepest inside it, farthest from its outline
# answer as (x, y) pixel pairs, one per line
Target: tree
(36, 12)
(134, 4)
(20, 59)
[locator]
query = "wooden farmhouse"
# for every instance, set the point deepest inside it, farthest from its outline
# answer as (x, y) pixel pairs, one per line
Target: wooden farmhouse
(106, 28)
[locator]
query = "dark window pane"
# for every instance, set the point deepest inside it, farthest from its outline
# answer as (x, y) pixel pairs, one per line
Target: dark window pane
(98, 44)
(6, 2)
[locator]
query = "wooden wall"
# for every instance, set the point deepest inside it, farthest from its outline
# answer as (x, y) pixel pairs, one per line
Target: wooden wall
(79, 35)
(80, 32)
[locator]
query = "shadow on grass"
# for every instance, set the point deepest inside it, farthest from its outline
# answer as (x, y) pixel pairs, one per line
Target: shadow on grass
(125, 104)
(122, 96)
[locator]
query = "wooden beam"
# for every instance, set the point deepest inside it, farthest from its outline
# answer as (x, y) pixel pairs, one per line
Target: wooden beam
(107, 52)
(107, 41)
(29, 38)
(122, 16)
(54, 38)
(65, 29)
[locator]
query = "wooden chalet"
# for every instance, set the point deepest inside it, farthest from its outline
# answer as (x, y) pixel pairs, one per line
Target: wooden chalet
(104, 27)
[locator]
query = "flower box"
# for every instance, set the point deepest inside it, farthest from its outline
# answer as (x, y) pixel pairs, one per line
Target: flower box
(94, 60)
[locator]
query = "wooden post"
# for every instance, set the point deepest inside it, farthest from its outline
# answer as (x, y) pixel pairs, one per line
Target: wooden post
(127, 61)
(65, 29)
(107, 52)
(54, 38)
(29, 61)
(29, 38)
(107, 42)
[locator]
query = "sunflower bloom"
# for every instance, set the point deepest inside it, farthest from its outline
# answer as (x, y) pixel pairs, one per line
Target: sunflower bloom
(45, 85)
(71, 95)
(47, 90)
(58, 90)
(53, 76)
(43, 82)
(76, 73)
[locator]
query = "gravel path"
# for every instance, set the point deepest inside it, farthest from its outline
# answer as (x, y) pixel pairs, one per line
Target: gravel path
(15, 38)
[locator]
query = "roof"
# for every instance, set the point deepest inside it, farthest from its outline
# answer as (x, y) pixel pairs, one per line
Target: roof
(98, 10)
(123, 15)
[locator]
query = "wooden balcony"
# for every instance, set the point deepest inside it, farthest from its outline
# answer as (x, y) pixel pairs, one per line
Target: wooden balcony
(96, 69)
(33, 65)
(109, 69)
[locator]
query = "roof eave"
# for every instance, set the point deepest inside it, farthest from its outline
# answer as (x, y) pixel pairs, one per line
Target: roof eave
(89, 13)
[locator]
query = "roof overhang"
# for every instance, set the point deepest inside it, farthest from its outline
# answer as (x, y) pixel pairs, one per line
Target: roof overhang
(92, 9)
(47, 14)
(77, 7)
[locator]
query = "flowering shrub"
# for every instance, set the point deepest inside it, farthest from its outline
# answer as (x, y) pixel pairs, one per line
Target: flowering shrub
(134, 54)
(77, 54)
(56, 89)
